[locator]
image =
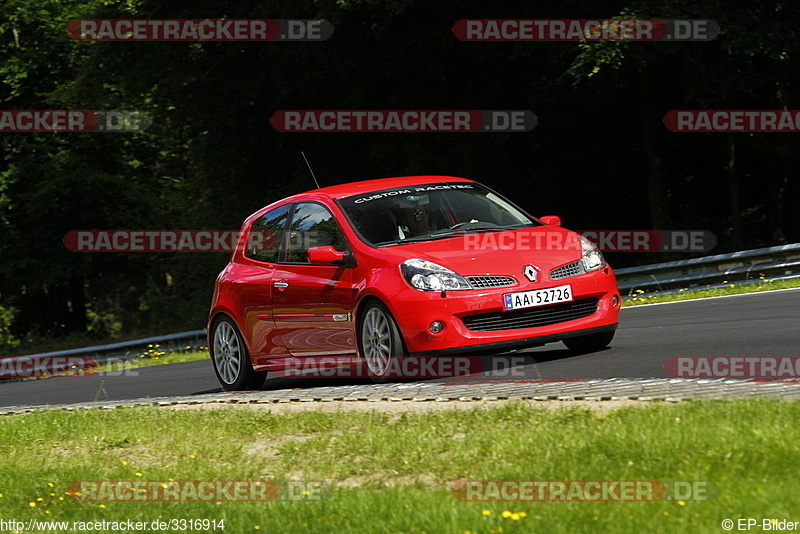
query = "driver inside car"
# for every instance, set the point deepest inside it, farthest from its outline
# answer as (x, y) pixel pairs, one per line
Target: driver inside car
(414, 222)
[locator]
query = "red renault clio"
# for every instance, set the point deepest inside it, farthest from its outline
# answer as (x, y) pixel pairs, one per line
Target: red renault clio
(423, 265)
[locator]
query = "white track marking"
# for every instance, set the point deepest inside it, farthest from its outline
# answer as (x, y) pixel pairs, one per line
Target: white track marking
(708, 298)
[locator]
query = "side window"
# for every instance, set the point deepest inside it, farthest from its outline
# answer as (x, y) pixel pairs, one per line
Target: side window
(266, 234)
(312, 226)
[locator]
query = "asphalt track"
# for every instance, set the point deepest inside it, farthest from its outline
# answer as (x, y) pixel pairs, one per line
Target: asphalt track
(759, 324)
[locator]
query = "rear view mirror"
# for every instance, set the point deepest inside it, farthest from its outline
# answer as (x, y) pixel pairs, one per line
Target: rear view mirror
(553, 220)
(327, 255)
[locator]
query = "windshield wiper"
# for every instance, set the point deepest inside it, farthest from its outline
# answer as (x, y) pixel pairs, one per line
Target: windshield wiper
(462, 229)
(415, 239)
(450, 232)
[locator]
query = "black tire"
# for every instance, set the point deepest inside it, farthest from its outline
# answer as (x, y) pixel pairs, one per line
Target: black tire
(230, 357)
(380, 344)
(590, 343)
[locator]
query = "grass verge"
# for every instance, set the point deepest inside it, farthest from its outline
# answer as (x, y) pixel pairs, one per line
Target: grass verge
(154, 356)
(394, 472)
(730, 289)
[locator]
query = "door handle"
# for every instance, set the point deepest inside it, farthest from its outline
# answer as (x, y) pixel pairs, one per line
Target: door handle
(281, 285)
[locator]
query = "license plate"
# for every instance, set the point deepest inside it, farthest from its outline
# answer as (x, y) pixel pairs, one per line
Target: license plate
(537, 297)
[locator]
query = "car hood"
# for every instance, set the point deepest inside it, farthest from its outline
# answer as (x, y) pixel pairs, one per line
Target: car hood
(497, 253)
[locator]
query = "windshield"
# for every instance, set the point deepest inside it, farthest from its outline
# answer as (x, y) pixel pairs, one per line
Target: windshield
(430, 211)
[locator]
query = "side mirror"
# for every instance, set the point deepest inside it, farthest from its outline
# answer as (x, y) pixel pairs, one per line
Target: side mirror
(327, 255)
(553, 220)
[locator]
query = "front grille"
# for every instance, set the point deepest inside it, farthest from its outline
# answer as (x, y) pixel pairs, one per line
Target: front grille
(570, 269)
(531, 317)
(481, 282)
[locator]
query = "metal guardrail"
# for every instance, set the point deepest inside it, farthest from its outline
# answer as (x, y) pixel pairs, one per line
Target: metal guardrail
(773, 263)
(125, 348)
(53, 361)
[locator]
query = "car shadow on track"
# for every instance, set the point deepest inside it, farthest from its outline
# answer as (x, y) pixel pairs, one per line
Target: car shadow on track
(508, 366)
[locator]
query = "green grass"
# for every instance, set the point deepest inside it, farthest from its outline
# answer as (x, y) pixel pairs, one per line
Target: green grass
(730, 289)
(395, 473)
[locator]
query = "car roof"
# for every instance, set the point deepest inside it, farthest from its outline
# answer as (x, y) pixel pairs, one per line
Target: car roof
(354, 188)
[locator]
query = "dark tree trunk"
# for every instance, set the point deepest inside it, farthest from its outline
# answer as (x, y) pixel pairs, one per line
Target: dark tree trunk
(733, 194)
(77, 302)
(652, 130)
(790, 201)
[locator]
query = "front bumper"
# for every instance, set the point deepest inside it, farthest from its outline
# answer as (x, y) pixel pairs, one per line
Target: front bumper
(415, 310)
(502, 346)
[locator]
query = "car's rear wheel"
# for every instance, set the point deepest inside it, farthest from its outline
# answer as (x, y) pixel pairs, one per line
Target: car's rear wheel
(380, 342)
(590, 343)
(230, 358)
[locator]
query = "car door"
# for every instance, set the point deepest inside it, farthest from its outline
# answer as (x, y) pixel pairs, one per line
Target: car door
(255, 280)
(313, 304)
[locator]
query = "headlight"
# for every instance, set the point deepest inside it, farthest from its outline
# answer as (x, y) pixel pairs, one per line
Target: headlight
(591, 257)
(428, 276)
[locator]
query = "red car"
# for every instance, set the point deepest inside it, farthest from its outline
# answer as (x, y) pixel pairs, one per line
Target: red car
(376, 270)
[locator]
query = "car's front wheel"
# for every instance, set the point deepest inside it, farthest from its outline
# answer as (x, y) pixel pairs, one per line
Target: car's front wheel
(379, 341)
(590, 343)
(230, 358)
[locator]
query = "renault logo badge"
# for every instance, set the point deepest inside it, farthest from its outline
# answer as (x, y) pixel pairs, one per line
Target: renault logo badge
(530, 272)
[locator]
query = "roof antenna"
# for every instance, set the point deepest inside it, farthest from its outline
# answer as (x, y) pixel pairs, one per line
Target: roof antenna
(309, 168)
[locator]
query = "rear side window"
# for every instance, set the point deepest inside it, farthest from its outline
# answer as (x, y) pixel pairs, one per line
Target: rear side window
(265, 241)
(312, 226)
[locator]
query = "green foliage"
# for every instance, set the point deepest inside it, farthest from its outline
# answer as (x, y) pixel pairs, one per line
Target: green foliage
(395, 471)
(210, 157)
(7, 341)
